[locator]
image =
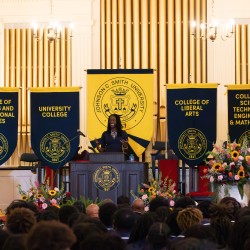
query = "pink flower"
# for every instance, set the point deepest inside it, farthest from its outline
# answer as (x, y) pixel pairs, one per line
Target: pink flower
(146, 209)
(211, 179)
(53, 202)
(171, 203)
(56, 189)
(144, 197)
(236, 177)
(44, 206)
(220, 177)
(36, 183)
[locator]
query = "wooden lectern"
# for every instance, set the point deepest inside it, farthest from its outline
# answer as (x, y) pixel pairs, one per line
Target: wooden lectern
(106, 176)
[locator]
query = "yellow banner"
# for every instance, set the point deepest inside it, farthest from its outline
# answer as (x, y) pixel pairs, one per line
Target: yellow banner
(127, 93)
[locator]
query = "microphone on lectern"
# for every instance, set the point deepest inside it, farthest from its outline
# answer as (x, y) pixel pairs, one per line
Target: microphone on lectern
(80, 133)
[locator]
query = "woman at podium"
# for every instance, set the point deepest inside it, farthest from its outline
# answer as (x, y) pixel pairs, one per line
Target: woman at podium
(114, 139)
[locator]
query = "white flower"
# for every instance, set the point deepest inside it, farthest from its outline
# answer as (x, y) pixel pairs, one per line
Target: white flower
(146, 209)
(241, 158)
(56, 189)
(144, 197)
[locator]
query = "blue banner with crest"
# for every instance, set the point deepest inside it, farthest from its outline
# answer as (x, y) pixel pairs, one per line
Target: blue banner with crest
(238, 112)
(55, 124)
(8, 122)
(191, 119)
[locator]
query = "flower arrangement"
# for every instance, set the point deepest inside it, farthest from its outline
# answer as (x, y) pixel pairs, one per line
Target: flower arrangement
(230, 164)
(43, 195)
(156, 187)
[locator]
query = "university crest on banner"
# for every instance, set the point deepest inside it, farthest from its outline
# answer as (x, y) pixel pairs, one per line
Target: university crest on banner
(191, 115)
(238, 112)
(8, 122)
(55, 124)
(127, 93)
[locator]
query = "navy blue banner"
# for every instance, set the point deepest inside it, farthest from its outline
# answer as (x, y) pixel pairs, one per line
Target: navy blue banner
(238, 112)
(8, 122)
(55, 124)
(191, 114)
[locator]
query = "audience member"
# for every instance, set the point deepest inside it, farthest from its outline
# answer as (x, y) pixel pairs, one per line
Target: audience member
(184, 202)
(188, 217)
(124, 219)
(14, 242)
(158, 235)
(138, 206)
(232, 206)
(20, 220)
(159, 201)
(106, 212)
(139, 231)
(123, 201)
(52, 235)
(92, 210)
(80, 206)
(65, 212)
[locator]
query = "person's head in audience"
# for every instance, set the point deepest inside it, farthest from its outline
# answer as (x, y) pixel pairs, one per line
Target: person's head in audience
(162, 213)
(159, 201)
(3, 237)
(83, 230)
(47, 215)
(123, 220)
(172, 222)
(242, 212)
(80, 206)
(76, 218)
(188, 217)
(204, 206)
(158, 235)
(14, 242)
(92, 241)
(140, 228)
(20, 220)
(123, 201)
(221, 222)
(138, 206)
(184, 202)
(21, 203)
(232, 205)
(113, 242)
(52, 235)
(92, 210)
(106, 213)
(200, 231)
(240, 233)
(189, 244)
(65, 212)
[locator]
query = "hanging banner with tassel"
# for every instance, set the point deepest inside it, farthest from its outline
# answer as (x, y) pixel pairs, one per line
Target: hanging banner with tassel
(191, 118)
(238, 112)
(8, 122)
(127, 93)
(55, 124)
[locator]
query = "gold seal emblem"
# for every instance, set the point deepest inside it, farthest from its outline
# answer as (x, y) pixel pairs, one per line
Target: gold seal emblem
(55, 147)
(3, 146)
(246, 135)
(192, 144)
(121, 96)
(106, 178)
